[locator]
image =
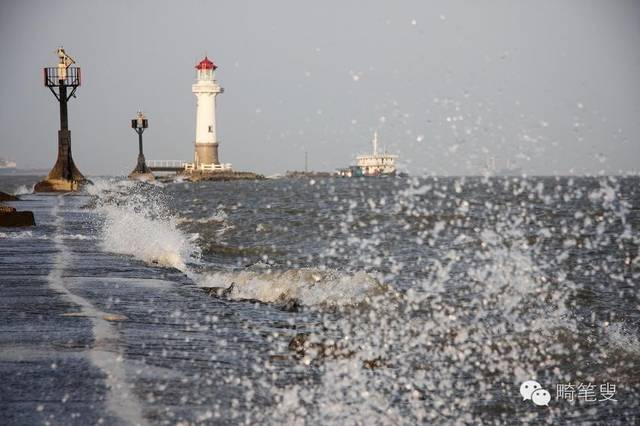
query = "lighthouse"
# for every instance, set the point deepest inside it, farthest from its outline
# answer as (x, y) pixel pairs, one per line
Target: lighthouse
(206, 90)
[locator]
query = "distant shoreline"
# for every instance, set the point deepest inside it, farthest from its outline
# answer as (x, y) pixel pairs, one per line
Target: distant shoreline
(24, 172)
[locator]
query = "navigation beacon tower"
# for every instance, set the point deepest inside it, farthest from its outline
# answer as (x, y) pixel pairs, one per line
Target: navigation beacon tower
(64, 176)
(206, 89)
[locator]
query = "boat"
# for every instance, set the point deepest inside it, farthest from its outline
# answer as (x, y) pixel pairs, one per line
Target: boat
(510, 170)
(372, 165)
(7, 166)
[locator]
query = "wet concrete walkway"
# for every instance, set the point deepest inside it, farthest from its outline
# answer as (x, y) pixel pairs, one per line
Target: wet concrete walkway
(88, 337)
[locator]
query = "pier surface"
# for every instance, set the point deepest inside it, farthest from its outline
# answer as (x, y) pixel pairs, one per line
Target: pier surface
(88, 336)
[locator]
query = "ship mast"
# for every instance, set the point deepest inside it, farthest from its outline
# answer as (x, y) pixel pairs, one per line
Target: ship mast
(375, 143)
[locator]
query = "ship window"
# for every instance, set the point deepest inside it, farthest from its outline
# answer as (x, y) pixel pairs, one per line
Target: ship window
(210, 129)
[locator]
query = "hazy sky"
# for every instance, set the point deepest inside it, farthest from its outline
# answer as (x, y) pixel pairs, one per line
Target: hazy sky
(550, 86)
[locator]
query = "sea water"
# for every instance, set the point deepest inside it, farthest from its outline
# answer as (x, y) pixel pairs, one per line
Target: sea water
(361, 301)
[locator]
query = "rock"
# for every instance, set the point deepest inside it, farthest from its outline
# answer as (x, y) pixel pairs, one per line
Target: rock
(219, 292)
(9, 217)
(213, 291)
(299, 343)
(306, 345)
(7, 197)
(291, 305)
(372, 364)
(227, 291)
(15, 219)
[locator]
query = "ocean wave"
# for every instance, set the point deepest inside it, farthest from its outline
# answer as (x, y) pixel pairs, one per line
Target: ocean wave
(153, 240)
(138, 223)
(22, 235)
(104, 186)
(80, 237)
(307, 286)
(23, 190)
(219, 216)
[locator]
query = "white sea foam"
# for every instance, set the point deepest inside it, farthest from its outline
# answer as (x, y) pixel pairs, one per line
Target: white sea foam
(23, 190)
(80, 237)
(137, 223)
(447, 340)
(153, 240)
(218, 217)
(102, 186)
(310, 287)
(22, 235)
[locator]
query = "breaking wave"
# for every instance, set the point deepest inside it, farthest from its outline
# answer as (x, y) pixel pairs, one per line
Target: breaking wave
(137, 223)
(23, 190)
(153, 240)
(307, 286)
(487, 305)
(22, 235)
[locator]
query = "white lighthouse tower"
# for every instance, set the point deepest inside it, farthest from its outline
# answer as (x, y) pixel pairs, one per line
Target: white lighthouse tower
(206, 89)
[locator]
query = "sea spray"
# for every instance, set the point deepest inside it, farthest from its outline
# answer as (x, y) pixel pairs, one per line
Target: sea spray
(158, 241)
(23, 190)
(138, 223)
(623, 337)
(485, 289)
(486, 313)
(307, 286)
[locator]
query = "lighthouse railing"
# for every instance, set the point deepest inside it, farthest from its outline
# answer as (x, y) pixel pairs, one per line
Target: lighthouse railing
(214, 167)
(166, 165)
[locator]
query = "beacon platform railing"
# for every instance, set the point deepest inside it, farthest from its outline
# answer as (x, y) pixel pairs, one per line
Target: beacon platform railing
(62, 76)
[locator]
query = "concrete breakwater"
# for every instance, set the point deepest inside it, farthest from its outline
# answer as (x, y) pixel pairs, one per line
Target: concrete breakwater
(91, 337)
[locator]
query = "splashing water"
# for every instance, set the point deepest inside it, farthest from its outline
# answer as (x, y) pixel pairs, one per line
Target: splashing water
(494, 308)
(310, 287)
(487, 283)
(137, 223)
(23, 190)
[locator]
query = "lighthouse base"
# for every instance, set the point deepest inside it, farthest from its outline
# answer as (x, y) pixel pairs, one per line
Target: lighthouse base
(58, 185)
(64, 176)
(206, 153)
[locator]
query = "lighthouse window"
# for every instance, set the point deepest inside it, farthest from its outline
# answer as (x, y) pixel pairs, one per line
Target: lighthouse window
(210, 129)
